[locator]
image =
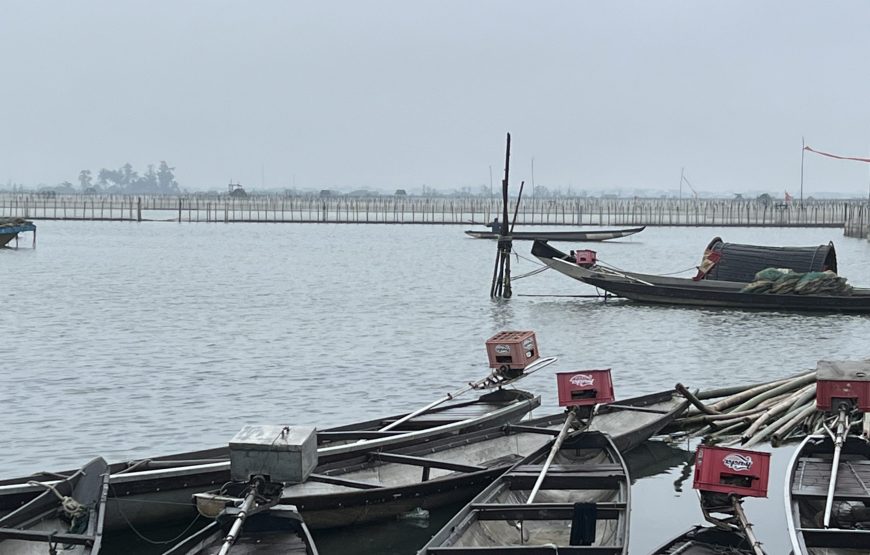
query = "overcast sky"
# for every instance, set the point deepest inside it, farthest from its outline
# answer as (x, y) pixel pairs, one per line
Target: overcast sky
(380, 94)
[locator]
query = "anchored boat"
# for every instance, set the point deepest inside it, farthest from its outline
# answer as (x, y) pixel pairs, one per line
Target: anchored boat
(723, 477)
(249, 518)
(590, 235)
(11, 227)
(684, 291)
(385, 483)
(69, 512)
(827, 487)
(571, 495)
(159, 489)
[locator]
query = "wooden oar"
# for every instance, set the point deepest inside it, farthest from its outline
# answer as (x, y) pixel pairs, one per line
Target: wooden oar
(482, 383)
(839, 438)
(233, 534)
(746, 526)
(557, 444)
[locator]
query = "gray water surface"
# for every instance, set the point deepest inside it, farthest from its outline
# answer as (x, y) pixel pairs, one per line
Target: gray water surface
(128, 340)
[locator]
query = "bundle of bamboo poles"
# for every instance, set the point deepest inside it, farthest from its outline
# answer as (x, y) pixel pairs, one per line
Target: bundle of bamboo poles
(775, 411)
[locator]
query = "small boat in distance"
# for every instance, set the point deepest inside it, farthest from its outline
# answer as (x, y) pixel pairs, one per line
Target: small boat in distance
(11, 227)
(69, 512)
(589, 235)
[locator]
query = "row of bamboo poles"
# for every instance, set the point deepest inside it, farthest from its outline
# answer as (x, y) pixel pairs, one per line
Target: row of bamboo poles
(436, 210)
(777, 411)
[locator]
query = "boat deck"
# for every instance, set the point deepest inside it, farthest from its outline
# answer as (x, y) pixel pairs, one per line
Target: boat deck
(813, 475)
(271, 542)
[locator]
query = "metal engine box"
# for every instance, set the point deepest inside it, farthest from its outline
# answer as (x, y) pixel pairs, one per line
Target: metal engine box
(584, 387)
(731, 471)
(281, 453)
(512, 349)
(843, 381)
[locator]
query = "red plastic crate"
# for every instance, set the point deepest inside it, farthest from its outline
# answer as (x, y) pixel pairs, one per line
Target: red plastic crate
(839, 381)
(585, 258)
(512, 349)
(731, 471)
(584, 387)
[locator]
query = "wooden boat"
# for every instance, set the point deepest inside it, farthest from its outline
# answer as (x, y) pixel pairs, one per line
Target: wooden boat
(589, 235)
(723, 477)
(251, 523)
(827, 486)
(706, 540)
(806, 488)
(70, 513)
(682, 291)
(11, 227)
(159, 489)
(578, 504)
(382, 484)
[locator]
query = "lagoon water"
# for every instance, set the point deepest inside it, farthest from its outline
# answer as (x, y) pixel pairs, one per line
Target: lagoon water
(127, 340)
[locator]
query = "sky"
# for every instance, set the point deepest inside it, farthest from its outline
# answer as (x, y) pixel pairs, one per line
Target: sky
(382, 95)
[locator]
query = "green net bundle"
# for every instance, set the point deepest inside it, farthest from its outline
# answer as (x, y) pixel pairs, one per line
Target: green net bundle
(779, 281)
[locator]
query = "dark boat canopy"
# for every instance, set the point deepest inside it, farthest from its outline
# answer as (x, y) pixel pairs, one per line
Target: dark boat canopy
(741, 262)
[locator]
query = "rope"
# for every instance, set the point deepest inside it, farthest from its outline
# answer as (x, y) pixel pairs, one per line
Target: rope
(532, 273)
(157, 542)
(70, 506)
(612, 267)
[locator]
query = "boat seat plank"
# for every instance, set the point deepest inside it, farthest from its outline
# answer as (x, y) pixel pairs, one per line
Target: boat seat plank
(566, 480)
(530, 550)
(543, 511)
(611, 469)
(813, 476)
(423, 461)
(326, 479)
(46, 536)
(832, 537)
(533, 430)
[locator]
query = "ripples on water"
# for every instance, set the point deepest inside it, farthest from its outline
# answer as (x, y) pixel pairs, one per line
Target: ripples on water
(127, 340)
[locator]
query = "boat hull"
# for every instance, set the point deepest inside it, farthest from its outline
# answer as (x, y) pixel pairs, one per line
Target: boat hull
(594, 235)
(587, 470)
(159, 490)
(653, 289)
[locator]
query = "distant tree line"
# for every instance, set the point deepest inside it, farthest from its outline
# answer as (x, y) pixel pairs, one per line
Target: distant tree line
(125, 180)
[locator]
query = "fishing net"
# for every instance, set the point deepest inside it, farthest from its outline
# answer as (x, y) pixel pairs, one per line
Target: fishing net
(782, 281)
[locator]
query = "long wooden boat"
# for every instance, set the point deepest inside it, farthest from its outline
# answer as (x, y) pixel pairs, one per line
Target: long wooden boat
(383, 484)
(682, 291)
(159, 489)
(589, 235)
(806, 488)
(582, 506)
(70, 512)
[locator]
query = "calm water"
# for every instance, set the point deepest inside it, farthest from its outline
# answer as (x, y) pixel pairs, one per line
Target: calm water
(127, 340)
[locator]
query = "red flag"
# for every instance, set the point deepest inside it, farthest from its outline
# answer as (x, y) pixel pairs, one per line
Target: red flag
(829, 155)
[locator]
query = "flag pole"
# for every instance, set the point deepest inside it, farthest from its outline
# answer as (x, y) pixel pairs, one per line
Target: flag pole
(803, 151)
